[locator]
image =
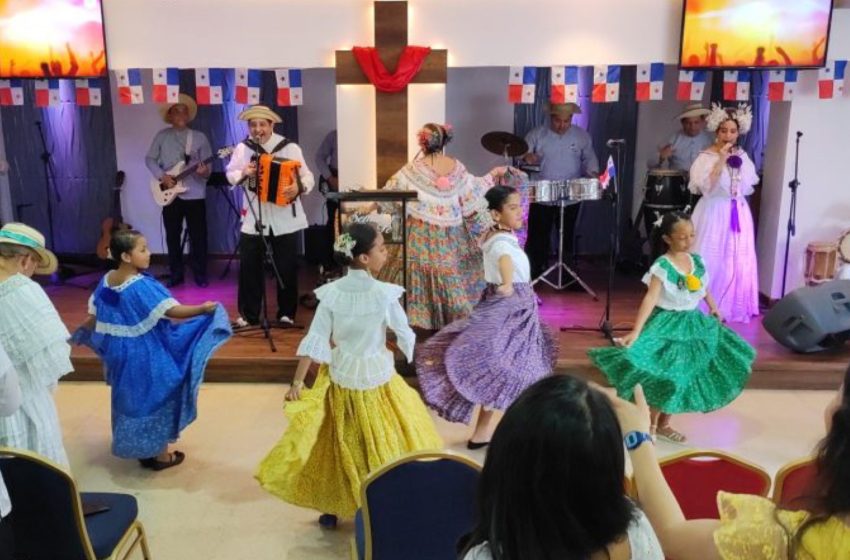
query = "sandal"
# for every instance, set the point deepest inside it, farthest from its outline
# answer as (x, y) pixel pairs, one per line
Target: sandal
(154, 464)
(670, 434)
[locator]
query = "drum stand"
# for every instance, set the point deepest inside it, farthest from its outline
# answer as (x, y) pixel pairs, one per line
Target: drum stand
(560, 266)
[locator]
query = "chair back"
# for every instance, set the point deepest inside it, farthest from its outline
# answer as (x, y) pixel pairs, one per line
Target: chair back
(47, 517)
(419, 506)
(695, 477)
(793, 484)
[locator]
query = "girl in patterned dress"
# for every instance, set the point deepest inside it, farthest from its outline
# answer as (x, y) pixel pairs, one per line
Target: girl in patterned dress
(685, 360)
(154, 367)
(489, 358)
(444, 228)
(359, 414)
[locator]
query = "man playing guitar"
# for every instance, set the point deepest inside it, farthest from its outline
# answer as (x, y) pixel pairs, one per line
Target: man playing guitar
(172, 145)
(281, 224)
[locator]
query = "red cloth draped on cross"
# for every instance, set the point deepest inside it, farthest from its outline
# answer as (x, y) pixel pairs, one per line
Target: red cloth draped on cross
(409, 64)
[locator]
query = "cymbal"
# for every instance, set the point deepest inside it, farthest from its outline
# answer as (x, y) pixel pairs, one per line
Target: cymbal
(504, 144)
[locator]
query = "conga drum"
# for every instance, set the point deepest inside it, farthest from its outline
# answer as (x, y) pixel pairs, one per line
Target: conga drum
(665, 190)
(821, 261)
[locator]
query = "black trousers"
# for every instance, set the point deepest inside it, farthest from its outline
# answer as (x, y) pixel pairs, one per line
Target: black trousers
(541, 219)
(252, 275)
(194, 212)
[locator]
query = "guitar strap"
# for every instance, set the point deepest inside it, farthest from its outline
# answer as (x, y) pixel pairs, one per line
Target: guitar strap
(188, 148)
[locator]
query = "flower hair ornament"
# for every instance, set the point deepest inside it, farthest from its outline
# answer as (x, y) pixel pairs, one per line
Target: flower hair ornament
(434, 137)
(345, 244)
(743, 115)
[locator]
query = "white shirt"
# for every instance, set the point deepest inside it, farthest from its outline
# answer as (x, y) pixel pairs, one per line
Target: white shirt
(277, 218)
(505, 244)
(355, 312)
(10, 400)
(673, 296)
(642, 541)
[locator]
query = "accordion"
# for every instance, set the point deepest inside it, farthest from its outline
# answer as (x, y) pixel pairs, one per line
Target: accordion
(274, 175)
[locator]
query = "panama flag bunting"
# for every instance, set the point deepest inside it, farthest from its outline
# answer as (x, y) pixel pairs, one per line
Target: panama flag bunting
(87, 93)
(166, 85)
(130, 86)
(248, 82)
(691, 85)
(11, 92)
(831, 79)
(781, 85)
(649, 84)
(522, 84)
(736, 85)
(289, 89)
(564, 85)
(606, 84)
(47, 93)
(209, 84)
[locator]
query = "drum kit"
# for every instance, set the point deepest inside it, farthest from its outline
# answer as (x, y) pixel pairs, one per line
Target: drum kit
(665, 190)
(826, 261)
(552, 193)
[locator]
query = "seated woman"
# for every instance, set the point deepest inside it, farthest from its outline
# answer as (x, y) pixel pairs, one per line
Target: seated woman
(752, 527)
(552, 485)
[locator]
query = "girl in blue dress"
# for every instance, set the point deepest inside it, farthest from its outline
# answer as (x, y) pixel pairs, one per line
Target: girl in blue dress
(154, 366)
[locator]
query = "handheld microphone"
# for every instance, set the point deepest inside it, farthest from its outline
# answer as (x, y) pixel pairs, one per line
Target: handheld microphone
(614, 141)
(799, 134)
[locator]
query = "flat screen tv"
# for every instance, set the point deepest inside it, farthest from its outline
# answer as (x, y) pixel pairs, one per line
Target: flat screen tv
(52, 38)
(773, 34)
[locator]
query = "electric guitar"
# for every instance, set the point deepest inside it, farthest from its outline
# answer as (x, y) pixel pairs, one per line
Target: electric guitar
(163, 195)
(113, 223)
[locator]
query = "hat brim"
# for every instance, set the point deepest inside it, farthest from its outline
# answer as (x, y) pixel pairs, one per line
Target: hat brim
(48, 261)
(182, 99)
(263, 113)
(694, 113)
(563, 109)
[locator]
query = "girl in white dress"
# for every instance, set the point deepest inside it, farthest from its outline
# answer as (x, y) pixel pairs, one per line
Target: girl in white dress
(724, 175)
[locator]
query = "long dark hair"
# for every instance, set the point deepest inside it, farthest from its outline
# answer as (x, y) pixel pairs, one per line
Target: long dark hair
(668, 222)
(552, 484)
(830, 492)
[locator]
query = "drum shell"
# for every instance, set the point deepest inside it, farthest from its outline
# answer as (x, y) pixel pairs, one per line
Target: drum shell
(821, 262)
(667, 189)
(547, 192)
(584, 189)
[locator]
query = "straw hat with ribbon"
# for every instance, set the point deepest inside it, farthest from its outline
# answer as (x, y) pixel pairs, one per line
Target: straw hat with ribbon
(25, 236)
(694, 110)
(564, 110)
(259, 112)
(182, 99)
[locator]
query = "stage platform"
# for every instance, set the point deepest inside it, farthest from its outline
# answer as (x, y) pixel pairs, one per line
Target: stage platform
(248, 358)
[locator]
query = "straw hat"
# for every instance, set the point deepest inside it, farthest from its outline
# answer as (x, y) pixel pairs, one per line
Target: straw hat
(260, 112)
(564, 110)
(182, 99)
(694, 110)
(25, 236)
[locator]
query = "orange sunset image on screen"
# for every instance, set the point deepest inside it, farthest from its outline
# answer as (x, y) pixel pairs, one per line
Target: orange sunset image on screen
(754, 33)
(60, 38)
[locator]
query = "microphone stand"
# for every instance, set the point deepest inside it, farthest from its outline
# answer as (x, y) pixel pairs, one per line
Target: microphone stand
(792, 214)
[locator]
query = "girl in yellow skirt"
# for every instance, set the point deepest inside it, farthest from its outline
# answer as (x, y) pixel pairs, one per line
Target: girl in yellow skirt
(359, 415)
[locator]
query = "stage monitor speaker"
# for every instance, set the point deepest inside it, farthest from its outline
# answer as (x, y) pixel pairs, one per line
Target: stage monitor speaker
(812, 318)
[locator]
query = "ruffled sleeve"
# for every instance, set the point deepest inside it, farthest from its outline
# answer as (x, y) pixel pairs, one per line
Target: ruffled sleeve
(473, 205)
(398, 182)
(749, 178)
(397, 321)
(316, 345)
(10, 388)
(658, 270)
(133, 308)
(751, 528)
(701, 173)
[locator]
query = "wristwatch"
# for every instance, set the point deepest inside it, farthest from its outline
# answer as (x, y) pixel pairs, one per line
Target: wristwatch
(635, 439)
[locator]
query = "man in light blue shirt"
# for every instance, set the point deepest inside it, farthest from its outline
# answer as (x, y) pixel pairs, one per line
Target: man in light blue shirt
(172, 145)
(563, 152)
(684, 146)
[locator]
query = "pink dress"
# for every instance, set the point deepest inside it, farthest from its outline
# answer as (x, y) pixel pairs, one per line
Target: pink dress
(724, 234)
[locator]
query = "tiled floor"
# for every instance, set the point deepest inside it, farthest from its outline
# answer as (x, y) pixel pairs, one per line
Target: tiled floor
(210, 508)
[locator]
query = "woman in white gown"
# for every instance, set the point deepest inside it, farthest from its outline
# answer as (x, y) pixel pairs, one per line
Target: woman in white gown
(724, 175)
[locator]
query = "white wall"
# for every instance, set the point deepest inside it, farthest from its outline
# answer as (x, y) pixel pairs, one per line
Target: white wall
(823, 204)
(304, 33)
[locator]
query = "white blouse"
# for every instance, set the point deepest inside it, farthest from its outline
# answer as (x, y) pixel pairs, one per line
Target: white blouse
(505, 244)
(642, 541)
(701, 181)
(676, 297)
(355, 312)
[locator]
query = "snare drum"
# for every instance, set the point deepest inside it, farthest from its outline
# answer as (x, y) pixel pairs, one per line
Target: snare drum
(584, 189)
(666, 188)
(547, 192)
(821, 260)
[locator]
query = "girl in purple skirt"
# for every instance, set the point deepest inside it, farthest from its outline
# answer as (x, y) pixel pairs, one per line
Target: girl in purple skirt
(489, 358)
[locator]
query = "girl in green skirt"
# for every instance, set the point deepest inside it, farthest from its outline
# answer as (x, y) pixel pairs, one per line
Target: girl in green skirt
(685, 360)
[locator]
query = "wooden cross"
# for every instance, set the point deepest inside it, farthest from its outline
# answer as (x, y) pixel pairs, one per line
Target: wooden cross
(391, 108)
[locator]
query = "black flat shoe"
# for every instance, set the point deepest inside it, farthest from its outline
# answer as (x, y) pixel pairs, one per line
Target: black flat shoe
(154, 464)
(327, 521)
(473, 445)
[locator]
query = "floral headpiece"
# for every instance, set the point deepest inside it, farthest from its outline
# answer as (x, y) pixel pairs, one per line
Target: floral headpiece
(345, 244)
(743, 115)
(433, 137)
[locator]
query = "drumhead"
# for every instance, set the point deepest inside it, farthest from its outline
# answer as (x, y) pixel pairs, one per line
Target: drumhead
(844, 246)
(659, 172)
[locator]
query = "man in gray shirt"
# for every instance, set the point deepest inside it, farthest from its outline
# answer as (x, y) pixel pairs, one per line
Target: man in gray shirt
(563, 152)
(179, 143)
(684, 146)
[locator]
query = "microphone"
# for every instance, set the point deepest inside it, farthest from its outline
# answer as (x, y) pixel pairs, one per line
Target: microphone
(799, 134)
(615, 141)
